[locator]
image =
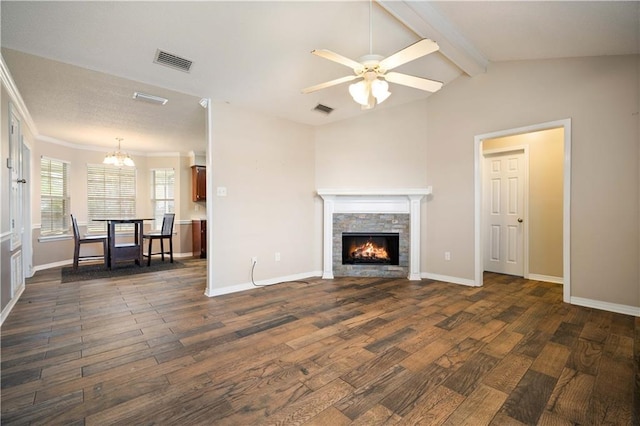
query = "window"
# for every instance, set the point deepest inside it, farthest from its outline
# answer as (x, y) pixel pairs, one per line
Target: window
(54, 197)
(111, 192)
(162, 185)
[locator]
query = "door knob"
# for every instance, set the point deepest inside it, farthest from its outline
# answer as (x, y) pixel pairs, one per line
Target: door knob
(519, 220)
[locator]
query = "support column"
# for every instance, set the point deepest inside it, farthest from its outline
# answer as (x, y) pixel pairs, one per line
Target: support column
(414, 255)
(329, 207)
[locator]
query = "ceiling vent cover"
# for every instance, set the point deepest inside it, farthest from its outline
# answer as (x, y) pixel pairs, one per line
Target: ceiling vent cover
(173, 61)
(323, 109)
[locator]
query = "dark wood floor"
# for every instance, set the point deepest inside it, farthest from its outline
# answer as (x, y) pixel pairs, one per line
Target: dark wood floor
(152, 349)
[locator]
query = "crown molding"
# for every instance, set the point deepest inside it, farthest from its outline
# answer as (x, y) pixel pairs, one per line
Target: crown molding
(16, 98)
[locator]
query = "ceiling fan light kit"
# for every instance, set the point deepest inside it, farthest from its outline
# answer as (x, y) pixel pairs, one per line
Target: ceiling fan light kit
(369, 92)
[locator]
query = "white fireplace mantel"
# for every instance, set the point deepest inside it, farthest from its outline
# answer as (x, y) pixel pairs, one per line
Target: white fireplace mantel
(397, 200)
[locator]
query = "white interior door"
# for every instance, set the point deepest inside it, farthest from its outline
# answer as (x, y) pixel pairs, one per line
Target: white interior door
(504, 213)
(16, 202)
(15, 162)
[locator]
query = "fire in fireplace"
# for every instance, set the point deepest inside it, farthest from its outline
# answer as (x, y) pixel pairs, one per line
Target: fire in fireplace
(370, 248)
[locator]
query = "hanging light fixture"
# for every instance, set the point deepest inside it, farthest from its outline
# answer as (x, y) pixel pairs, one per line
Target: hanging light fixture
(371, 90)
(118, 158)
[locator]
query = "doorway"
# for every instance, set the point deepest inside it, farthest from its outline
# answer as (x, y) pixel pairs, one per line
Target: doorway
(482, 142)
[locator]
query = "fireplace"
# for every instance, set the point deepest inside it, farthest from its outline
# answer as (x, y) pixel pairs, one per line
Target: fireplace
(370, 248)
(372, 211)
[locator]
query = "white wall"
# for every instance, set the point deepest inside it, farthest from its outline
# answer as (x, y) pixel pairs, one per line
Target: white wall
(267, 166)
(436, 143)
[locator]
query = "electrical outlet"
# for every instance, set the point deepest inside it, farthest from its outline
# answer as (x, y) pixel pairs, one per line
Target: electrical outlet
(277, 256)
(254, 260)
(447, 255)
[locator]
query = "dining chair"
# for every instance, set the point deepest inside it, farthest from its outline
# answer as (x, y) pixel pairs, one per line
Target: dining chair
(166, 233)
(79, 240)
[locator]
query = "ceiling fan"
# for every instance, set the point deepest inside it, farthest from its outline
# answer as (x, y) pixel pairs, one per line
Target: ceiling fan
(374, 72)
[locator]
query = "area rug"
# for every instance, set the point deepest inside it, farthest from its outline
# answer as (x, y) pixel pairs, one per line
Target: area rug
(97, 271)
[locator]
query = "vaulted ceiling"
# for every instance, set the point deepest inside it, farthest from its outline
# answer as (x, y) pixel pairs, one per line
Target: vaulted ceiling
(77, 64)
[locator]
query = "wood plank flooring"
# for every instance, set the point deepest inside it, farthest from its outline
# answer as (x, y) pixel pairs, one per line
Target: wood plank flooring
(152, 349)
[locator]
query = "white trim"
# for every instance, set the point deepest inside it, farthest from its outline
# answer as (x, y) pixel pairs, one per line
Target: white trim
(14, 94)
(566, 216)
(448, 279)
(53, 238)
(210, 202)
(7, 309)
(606, 306)
(566, 210)
(56, 141)
(545, 278)
(375, 191)
(186, 222)
(52, 265)
(70, 261)
(248, 286)
(5, 236)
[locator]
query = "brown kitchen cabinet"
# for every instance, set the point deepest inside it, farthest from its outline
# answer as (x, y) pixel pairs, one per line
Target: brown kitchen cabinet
(199, 183)
(199, 228)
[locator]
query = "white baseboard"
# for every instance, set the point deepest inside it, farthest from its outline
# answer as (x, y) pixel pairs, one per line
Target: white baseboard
(546, 278)
(448, 279)
(606, 306)
(70, 261)
(7, 309)
(52, 265)
(248, 286)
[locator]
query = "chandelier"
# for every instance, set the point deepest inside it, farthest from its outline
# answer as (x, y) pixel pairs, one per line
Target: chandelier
(118, 158)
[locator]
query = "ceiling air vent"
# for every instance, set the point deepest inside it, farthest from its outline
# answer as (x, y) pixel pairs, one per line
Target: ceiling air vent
(323, 109)
(152, 99)
(173, 61)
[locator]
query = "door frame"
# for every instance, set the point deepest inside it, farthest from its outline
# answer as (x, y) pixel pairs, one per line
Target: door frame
(525, 210)
(565, 124)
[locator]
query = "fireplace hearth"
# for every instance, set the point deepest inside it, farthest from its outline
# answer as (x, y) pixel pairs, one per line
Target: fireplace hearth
(370, 248)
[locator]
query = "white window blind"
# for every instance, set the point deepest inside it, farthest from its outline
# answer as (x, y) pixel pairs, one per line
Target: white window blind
(162, 193)
(111, 193)
(54, 197)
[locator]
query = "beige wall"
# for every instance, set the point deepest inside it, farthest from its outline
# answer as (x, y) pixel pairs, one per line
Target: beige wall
(435, 138)
(384, 148)
(546, 155)
(267, 166)
(600, 96)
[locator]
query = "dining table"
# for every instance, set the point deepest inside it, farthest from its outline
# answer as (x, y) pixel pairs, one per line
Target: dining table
(123, 251)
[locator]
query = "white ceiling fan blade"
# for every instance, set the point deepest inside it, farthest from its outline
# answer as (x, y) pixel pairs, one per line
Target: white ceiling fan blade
(409, 53)
(335, 57)
(415, 82)
(329, 83)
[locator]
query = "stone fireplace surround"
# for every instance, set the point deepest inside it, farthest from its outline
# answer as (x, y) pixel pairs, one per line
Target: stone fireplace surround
(373, 201)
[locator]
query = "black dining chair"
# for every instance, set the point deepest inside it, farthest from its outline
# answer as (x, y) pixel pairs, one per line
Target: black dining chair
(79, 240)
(166, 233)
